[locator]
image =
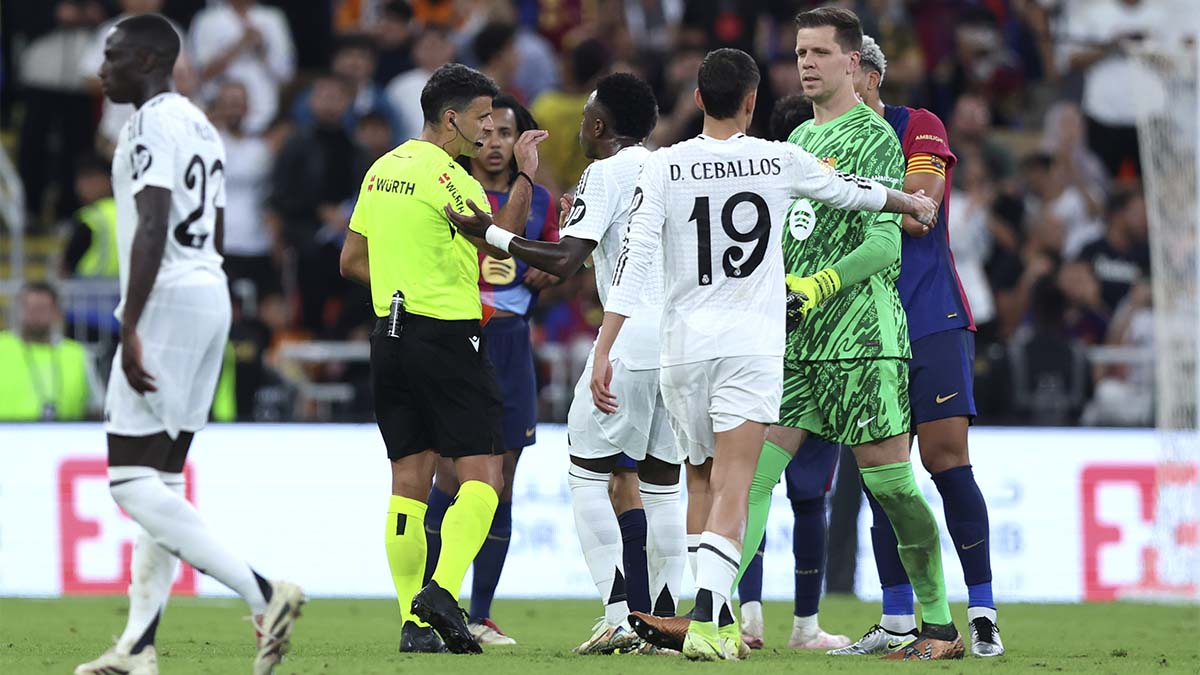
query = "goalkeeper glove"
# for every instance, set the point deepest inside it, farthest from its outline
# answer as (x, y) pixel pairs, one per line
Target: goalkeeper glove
(811, 291)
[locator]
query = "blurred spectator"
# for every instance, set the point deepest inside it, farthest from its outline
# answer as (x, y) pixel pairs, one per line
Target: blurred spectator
(1100, 38)
(970, 130)
(431, 50)
(46, 376)
(1125, 392)
(58, 123)
(248, 157)
(679, 118)
(984, 65)
(1085, 318)
(354, 60)
(1122, 257)
(538, 63)
(495, 47)
(1064, 135)
(971, 239)
(248, 42)
(92, 243)
(653, 23)
(115, 114)
(312, 184)
(1057, 197)
(393, 32)
(374, 136)
(560, 113)
(1049, 371)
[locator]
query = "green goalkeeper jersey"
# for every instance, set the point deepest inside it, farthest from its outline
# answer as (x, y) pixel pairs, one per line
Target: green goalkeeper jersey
(866, 320)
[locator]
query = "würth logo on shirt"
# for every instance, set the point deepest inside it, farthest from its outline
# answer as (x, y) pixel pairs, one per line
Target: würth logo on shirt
(371, 183)
(444, 178)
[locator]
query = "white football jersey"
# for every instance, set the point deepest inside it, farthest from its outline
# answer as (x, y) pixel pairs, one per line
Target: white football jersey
(600, 213)
(169, 143)
(716, 208)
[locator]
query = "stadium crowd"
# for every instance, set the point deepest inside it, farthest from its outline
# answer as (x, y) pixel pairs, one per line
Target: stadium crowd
(1048, 222)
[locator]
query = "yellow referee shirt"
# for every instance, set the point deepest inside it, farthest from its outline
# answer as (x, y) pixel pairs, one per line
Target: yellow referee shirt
(411, 245)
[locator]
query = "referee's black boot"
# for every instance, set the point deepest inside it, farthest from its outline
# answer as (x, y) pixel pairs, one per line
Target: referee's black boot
(420, 639)
(435, 606)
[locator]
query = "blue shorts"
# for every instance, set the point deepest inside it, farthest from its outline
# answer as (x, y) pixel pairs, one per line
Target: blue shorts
(810, 473)
(624, 461)
(941, 376)
(511, 354)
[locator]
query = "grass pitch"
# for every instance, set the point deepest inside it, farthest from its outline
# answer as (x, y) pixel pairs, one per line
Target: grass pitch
(360, 637)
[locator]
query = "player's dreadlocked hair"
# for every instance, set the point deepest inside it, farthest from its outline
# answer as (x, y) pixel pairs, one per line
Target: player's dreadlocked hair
(453, 87)
(630, 103)
(525, 122)
(727, 76)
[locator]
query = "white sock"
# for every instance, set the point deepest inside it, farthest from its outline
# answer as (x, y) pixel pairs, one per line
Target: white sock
(666, 544)
(152, 571)
(177, 526)
(693, 545)
(898, 623)
(599, 537)
(805, 628)
(976, 612)
(716, 567)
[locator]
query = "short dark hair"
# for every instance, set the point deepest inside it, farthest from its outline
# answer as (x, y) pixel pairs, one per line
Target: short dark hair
(453, 87)
(41, 287)
(342, 81)
(398, 9)
(153, 32)
(847, 28)
(373, 117)
(524, 118)
(493, 39)
(630, 102)
(589, 59)
(356, 42)
(726, 77)
(1119, 200)
(789, 112)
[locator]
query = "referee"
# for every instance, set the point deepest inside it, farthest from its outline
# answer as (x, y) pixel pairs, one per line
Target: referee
(435, 392)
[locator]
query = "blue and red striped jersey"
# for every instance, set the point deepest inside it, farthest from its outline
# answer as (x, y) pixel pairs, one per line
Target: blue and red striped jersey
(501, 282)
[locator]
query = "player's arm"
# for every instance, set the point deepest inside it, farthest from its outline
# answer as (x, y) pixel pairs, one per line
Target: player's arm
(818, 181)
(149, 241)
(219, 232)
(560, 258)
(515, 213)
(928, 159)
(647, 216)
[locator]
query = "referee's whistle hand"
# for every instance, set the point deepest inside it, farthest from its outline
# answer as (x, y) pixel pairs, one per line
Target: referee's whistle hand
(602, 395)
(474, 225)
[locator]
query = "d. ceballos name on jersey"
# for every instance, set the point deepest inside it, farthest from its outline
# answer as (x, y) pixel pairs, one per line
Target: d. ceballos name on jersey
(741, 168)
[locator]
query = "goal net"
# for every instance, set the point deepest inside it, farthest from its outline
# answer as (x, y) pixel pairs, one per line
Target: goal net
(1171, 179)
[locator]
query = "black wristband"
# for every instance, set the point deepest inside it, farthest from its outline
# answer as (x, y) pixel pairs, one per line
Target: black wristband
(522, 174)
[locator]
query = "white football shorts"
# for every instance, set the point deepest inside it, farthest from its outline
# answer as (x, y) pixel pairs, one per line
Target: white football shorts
(638, 428)
(708, 397)
(183, 331)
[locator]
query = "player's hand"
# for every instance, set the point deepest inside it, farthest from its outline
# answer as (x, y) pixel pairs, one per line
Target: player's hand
(914, 228)
(472, 225)
(602, 395)
(813, 290)
(923, 209)
(131, 363)
(539, 280)
(794, 315)
(564, 209)
(526, 150)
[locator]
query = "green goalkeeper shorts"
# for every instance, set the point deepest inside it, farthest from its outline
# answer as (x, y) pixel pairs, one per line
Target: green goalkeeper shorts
(850, 401)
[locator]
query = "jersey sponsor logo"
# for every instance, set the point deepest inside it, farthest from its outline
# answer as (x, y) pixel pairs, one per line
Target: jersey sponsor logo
(391, 185)
(930, 137)
(578, 211)
(741, 168)
(498, 272)
(939, 399)
(802, 219)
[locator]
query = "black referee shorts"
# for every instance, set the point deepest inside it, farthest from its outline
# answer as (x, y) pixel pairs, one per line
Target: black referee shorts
(434, 388)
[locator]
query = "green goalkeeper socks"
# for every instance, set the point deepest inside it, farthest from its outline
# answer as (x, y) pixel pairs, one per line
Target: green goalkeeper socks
(895, 488)
(771, 464)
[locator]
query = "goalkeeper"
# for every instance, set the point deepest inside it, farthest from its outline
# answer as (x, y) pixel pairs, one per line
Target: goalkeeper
(846, 371)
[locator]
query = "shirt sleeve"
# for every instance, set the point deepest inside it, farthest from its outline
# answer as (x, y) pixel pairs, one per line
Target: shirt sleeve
(928, 137)
(647, 217)
(360, 216)
(153, 154)
(812, 178)
(593, 210)
(455, 186)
